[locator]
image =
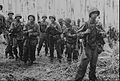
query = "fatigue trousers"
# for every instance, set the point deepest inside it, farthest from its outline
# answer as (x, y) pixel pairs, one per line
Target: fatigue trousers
(43, 39)
(29, 51)
(90, 56)
(54, 43)
(19, 44)
(9, 47)
(62, 45)
(71, 49)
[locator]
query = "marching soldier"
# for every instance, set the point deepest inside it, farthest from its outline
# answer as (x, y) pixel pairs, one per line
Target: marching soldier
(16, 32)
(31, 31)
(9, 19)
(61, 23)
(54, 31)
(92, 34)
(2, 25)
(9, 39)
(43, 37)
(71, 39)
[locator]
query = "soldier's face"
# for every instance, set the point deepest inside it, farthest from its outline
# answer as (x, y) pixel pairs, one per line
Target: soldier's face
(52, 19)
(61, 23)
(10, 15)
(78, 22)
(94, 15)
(44, 18)
(31, 19)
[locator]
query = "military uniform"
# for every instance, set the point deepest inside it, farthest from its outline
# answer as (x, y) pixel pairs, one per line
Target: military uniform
(16, 31)
(71, 39)
(31, 31)
(54, 31)
(2, 26)
(92, 39)
(43, 37)
(8, 37)
(62, 41)
(2, 23)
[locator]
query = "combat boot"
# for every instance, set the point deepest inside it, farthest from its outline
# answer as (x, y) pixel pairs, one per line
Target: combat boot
(30, 63)
(93, 78)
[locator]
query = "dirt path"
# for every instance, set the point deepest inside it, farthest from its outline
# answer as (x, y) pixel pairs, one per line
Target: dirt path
(43, 70)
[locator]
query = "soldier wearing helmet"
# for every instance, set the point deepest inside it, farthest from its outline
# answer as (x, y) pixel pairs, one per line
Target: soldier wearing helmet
(44, 17)
(67, 21)
(71, 38)
(62, 41)
(9, 19)
(31, 32)
(7, 36)
(16, 32)
(93, 43)
(43, 37)
(52, 17)
(54, 31)
(2, 25)
(18, 17)
(60, 20)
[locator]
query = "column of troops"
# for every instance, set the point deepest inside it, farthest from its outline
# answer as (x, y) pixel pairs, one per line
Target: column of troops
(23, 40)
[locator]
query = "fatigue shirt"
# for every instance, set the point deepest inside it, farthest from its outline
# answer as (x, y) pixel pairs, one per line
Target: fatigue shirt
(2, 23)
(70, 35)
(8, 22)
(91, 38)
(43, 26)
(54, 29)
(34, 27)
(17, 30)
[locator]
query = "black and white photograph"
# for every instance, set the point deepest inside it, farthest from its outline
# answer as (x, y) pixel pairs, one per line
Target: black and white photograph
(59, 40)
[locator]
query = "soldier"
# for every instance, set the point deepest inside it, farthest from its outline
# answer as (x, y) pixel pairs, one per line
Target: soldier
(54, 31)
(16, 32)
(9, 19)
(31, 31)
(91, 33)
(43, 37)
(71, 39)
(2, 25)
(80, 40)
(61, 23)
(9, 39)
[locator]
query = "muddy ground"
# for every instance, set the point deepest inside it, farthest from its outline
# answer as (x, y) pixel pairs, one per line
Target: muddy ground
(43, 70)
